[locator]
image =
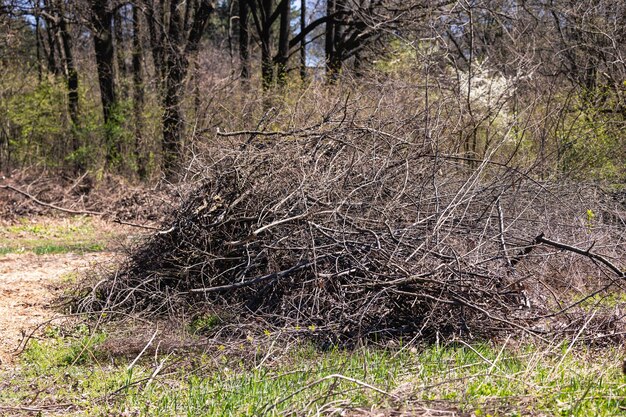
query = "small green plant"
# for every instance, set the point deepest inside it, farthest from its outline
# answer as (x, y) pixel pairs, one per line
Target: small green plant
(204, 323)
(590, 217)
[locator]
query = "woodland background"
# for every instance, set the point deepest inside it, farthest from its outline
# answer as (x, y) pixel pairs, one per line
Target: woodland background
(140, 88)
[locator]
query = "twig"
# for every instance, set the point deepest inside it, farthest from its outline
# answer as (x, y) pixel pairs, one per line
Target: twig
(258, 231)
(132, 364)
(70, 211)
(156, 371)
(36, 409)
(326, 378)
(502, 228)
(266, 133)
(273, 275)
(142, 226)
(571, 345)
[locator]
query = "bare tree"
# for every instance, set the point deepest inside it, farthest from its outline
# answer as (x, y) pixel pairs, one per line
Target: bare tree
(244, 39)
(175, 37)
(283, 42)
(138, 93)
(303, 41)
(101, 19)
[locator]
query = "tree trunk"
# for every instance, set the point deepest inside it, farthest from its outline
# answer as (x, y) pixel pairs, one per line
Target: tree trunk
(173, 123)
(102, 20)
(176, 65)
(267, 66)
(283, 42)
(175, 69)
(120, 48)
(51, 28)
(244, 39)
(155, 18)
(138, 94)
(103, 46)
(329, 41)
(303, 40)
(38, 47)
(70, 73)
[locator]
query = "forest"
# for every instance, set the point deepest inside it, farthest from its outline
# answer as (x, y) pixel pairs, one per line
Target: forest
(314, 207)
(137, 88)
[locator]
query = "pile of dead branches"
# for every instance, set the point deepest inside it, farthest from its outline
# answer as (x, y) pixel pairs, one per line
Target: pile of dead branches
(354, 233)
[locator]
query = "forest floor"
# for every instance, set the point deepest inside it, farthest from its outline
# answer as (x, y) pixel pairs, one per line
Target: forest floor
(73, 367)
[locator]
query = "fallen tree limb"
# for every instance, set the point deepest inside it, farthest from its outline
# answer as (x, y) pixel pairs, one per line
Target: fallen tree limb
(584, 252)
(70, 211)
(52, 206)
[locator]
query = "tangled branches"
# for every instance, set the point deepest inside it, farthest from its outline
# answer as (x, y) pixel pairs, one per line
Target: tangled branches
(354, 233)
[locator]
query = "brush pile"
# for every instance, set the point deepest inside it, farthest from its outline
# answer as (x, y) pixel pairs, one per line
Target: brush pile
(356, 233)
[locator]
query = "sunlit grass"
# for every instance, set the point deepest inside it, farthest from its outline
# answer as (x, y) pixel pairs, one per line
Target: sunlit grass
(253, 378)
(76, 234)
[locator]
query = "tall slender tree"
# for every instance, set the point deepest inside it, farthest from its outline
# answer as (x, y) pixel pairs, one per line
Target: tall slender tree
(138, 93)
(101, 21)
(283, 42)
(244, 39)
(303, 40)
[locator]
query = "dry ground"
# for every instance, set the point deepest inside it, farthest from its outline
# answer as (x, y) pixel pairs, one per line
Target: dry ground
(30, 282)
(28, 285)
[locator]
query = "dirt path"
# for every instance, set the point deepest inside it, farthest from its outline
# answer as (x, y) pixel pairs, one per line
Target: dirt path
(28, 285)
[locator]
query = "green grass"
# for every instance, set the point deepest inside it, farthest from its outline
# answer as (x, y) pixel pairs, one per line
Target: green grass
(261, 378)
(78, 248)
(49, 236)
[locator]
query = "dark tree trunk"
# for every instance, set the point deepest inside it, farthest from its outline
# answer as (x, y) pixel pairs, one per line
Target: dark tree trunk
(52, 62)
(38, 45)
(173, 122)
(358, 64)
(337, 57)
(120, 47)
(102, 20)
(138, 93)
(303, 40)
(155, 17)
(71, 75)
(103, 46)
(51, 36)
(329, 40)
(267, 66)
(244, 39)
(283, 42)
(176, 66)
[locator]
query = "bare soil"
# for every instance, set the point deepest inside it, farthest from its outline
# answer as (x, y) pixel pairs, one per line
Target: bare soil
(29, 284)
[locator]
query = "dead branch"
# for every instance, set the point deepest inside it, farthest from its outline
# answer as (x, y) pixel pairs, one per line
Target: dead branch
(51, 206)
(77, 212)
(584, 252)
